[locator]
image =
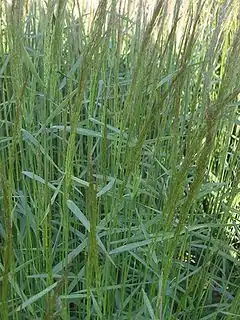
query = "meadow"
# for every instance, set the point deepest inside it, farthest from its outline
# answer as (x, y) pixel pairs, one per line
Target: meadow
(120, 160)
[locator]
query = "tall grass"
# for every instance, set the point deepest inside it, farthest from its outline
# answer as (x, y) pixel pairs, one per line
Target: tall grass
(119, 160)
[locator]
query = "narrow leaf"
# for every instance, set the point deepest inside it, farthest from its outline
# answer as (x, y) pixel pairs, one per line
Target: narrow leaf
(148, 305)
(107, 188)
(35, 177)
(79, 215)
(36, 297)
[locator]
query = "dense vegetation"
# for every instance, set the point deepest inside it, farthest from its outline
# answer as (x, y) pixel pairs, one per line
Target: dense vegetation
(119, 160)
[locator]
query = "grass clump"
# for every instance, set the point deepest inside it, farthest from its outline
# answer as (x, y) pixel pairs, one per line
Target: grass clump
(119, 162)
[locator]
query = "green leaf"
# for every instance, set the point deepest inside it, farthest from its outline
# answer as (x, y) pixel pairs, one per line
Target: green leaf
(36, 297)
(28, 137)
(136, 245)
(83, 219)
(96, 306)
(73, 254)
(107, 188)
(85, 132)
(148, 305)
(35, 177)
(79, 215)
(29, 65)
(81, 182)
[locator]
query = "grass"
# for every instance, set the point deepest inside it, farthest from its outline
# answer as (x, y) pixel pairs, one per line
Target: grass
(119, 162)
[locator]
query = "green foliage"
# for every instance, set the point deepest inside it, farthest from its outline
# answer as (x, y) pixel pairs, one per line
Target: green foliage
(119, 160)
